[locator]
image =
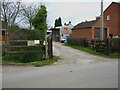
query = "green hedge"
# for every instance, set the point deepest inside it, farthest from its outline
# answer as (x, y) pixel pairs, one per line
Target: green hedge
(23, 34)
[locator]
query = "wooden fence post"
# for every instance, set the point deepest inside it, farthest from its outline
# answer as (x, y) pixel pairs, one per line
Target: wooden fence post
(50, 48)
(108, 46)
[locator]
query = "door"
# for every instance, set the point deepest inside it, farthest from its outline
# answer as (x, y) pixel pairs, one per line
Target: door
(97, 32)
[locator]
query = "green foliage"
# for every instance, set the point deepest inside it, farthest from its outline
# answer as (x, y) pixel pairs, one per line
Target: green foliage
(35, 63)
(39, 21)
(89, 50)
(24, 34)
(45, 62)
(24, 57)
(16, 33)
(8, 62)
(3, 47)
(58, 22)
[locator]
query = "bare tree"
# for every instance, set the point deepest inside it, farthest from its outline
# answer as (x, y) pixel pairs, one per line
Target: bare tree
(10, 11)
(14, 13)
(29, 11)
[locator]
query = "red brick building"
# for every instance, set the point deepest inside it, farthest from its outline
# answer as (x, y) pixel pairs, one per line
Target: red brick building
(91, 29)
(84, 30)
(0, 29)
(112, 18)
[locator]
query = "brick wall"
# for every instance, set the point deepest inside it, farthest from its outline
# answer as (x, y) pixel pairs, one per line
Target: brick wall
(113, 11)
(0, 29)
(119, 20)
(112, 25)
(82, 33)
(98, 25)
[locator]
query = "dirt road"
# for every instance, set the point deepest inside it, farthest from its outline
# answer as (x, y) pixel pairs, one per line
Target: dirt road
(73, 56)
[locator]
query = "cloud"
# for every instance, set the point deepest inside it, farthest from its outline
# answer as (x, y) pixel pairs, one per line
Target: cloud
(78, 0)
(75, 11)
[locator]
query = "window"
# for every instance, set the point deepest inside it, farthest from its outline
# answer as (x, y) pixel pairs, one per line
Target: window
(3, 33)
(108, 17)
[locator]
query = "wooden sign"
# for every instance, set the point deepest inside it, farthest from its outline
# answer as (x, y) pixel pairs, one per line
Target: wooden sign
(36, 41)
(30, 43)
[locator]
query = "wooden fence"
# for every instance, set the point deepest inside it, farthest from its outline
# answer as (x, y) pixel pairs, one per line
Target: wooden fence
(107, 46)
(101, 46)
(21, 46)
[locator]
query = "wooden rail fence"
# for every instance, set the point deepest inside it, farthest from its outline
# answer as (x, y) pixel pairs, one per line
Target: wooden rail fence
(12, 44)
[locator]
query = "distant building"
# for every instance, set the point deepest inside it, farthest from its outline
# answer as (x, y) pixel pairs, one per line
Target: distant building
(4, 32)
(62, 31)
(55, 34)
(66, 30)
(85, 30)
(91, 29)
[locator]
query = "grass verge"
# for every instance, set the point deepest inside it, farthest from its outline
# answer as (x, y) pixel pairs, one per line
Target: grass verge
(89, 50)
(36, 63)
(3, 61)
(45, 62)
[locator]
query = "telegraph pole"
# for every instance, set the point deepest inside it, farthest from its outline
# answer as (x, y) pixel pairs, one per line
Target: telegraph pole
(46, 46)
(102, 21)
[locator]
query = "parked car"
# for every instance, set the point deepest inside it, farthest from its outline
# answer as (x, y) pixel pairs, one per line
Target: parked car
(63, 39)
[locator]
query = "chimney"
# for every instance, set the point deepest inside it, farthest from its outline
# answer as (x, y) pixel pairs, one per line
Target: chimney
(65, 24)
(69, 22)
(98, 18)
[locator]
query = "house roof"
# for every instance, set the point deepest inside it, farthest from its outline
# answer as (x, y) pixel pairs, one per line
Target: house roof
(86, 24)
(54, 29)
(117, 3)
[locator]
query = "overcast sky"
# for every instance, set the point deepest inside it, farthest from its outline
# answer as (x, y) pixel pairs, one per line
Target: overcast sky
(75, 11)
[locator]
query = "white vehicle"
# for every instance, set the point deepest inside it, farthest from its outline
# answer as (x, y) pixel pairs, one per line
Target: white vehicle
(63, 38)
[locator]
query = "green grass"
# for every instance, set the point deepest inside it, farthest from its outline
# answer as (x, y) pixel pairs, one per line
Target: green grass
(36, 63)
(45, 62)
(12, 62)
(89, 50)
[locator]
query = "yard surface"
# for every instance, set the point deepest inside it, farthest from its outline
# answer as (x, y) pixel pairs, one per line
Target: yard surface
(76, 69)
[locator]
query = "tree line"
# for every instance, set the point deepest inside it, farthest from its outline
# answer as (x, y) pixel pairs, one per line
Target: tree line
(58, 22)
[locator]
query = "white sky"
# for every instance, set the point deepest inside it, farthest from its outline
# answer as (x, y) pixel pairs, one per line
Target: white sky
(75, 11)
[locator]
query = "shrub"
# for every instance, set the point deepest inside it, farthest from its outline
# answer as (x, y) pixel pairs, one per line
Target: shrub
(24, 34)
